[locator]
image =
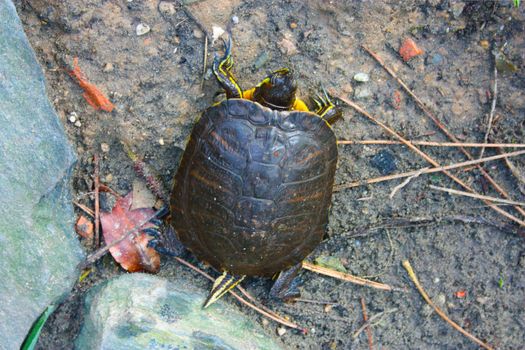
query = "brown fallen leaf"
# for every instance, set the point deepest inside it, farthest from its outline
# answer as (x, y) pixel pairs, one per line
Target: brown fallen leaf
(84, 227)
(133, 253)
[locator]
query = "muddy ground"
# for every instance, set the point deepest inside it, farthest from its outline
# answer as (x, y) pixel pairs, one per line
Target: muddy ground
(157, 84)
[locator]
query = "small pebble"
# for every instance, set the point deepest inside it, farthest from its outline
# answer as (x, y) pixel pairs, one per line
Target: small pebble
(437, 59)
(78, 124)
(108, 178)
(167, 8)
(287, 46)
(482, 300)
(484, 44)
(362, 77)
(216, 33)
(161, 141)
(104, 147)
(328, 308)
(197, 33)
(347, 88)
(108, 67)
(235, 20)
(72, 117)
(281, 331)
(362, 92)
(293, 25)
(142, 28)
(261, 60)
(457, 9)
(441, 299)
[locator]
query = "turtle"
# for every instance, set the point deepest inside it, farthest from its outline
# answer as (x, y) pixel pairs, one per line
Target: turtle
(252, 193)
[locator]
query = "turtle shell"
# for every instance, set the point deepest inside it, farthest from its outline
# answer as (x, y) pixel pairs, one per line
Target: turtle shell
(254, 187)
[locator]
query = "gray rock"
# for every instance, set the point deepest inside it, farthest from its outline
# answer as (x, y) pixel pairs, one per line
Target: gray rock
(39, 249)
(140, 311)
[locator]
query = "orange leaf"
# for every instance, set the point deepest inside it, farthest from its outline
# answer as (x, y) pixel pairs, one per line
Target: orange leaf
(84, 227)
(409, 49)
(133, 253)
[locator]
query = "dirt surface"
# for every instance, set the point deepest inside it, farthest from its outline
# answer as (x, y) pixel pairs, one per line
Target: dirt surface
(156, 83)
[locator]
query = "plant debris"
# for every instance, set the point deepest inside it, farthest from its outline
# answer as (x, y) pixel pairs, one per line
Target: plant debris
(133, 253)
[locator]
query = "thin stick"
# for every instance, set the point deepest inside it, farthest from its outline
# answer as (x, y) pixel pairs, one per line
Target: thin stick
(368, 329)
(311, 301)
(422, 221)
(346, 277)
(102, 251)
(270, 315)
(442, 127)
(428, 159)
(520, 178)
(85, 209)
(492, 109)
(425, 171)
(404, 183)
(372, 322)
(431, 143)
(97, 201)
(478, 196)
(413, 277)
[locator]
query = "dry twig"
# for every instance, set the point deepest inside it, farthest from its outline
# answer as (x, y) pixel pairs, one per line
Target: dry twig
(432, 143)
(368, 329)
(429, 159)
(478, 196)
(492, 109)
(347, 277)
(422, 221)
(372, 321)
(404, 183)
(85, 209)
(413, 277)
(442, 127)
(424, 171)
(96, 179)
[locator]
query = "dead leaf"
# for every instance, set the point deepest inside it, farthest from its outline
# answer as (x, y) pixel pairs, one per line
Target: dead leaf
(133, 253)
(84, 227)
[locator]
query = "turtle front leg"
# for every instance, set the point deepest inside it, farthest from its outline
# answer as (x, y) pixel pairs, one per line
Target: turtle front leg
(222, 69)
(285, 287)
(326, 109)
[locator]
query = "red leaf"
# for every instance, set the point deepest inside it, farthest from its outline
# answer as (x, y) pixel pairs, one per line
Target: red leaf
(133, 253)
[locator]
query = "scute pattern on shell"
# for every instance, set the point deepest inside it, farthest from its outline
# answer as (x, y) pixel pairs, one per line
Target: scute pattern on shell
(253, 190)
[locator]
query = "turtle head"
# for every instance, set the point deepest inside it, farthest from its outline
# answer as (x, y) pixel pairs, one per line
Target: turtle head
(277, 91)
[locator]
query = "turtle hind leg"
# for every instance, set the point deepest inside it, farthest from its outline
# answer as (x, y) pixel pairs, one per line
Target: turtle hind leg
(221, 286)
(222, 67)
(286, 285)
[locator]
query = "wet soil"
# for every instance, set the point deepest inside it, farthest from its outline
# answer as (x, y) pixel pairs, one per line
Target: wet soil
(157, 84)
